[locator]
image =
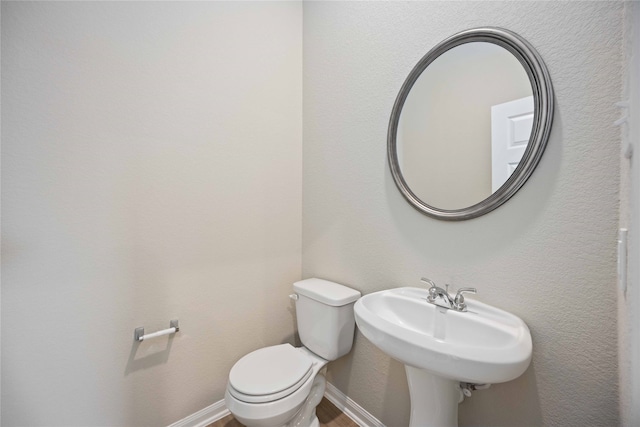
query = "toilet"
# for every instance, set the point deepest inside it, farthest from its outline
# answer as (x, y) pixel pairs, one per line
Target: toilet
(281, 385)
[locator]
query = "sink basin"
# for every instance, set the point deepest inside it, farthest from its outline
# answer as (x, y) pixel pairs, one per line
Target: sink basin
(481, 345)
(441, 347)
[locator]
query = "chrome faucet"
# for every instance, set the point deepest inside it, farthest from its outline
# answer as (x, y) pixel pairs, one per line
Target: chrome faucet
(437, 295)
(458, 301)
(441, 297)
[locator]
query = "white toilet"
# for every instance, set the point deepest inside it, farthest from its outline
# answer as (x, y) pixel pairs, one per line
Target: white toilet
(281, 385)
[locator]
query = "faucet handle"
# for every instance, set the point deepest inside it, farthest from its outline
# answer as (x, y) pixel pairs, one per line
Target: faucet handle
(458, 301)
(432, 288)
(428, 282)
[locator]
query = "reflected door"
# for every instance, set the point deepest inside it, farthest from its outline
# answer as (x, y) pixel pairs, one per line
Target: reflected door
(511, 124)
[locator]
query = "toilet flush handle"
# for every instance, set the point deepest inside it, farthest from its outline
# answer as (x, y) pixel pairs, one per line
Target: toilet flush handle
(294, 297)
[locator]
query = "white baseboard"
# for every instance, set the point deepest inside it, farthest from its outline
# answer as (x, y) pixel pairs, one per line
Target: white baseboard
(351, 409)
(205, 416)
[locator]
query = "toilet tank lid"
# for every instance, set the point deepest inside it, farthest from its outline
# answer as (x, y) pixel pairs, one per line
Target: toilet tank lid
(326, 292)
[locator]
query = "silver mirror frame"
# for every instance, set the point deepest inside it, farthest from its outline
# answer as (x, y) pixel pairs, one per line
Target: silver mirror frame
(543, 117)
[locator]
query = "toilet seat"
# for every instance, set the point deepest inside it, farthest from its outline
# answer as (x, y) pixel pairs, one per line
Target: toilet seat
(269, 374)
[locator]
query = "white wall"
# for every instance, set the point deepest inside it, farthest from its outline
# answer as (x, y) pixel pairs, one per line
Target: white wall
(548, 255)
(151, 170)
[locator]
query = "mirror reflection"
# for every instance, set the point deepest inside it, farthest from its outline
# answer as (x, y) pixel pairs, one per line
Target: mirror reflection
(465, 124)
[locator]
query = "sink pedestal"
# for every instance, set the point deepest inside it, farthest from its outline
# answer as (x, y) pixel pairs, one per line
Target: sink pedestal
(434, 400)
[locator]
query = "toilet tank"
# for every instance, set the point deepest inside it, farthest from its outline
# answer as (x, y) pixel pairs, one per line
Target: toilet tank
(324, 311)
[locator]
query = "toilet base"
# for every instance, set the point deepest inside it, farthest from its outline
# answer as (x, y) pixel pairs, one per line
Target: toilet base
(307, 415)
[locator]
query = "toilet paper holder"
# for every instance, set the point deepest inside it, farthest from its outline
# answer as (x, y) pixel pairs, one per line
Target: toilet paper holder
(138, 333)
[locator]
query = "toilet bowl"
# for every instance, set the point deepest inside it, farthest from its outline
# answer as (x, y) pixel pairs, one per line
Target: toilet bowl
(281, 385)
(265, 401)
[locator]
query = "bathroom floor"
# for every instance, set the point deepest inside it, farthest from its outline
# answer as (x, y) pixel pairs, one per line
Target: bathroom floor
(328, 415)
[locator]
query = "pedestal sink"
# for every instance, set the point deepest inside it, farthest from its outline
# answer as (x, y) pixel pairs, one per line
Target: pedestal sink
(441, 347)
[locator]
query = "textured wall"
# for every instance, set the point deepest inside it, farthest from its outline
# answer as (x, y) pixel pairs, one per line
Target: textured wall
(548, 255)
(151, 170)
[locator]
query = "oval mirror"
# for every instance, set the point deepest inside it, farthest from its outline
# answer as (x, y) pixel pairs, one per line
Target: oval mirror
(470, 124)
